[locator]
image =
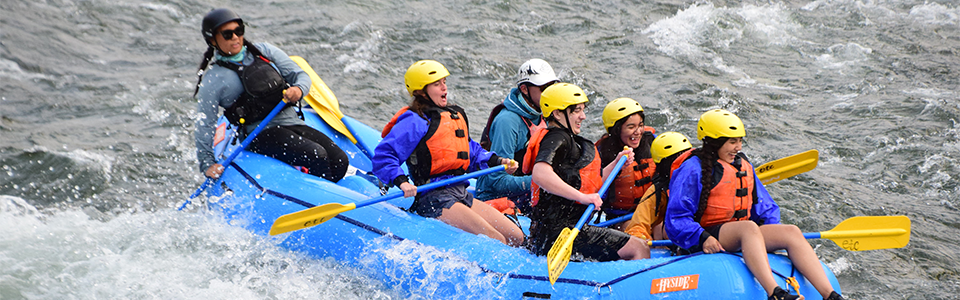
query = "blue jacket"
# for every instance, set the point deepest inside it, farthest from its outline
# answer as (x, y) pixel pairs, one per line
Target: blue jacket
(508, 135)
(396, 147)
(221, 87)
(685, 190)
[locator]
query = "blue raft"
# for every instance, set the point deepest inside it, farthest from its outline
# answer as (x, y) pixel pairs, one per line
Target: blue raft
(424, 256)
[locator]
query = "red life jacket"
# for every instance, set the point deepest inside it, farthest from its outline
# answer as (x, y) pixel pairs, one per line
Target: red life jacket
(590, 176)
(732, 197)
(444, 149)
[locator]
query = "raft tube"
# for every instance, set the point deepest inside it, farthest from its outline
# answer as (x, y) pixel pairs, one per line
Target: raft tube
(422, 256)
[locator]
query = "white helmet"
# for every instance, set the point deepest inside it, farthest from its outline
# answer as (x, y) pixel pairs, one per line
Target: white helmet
(537, 72)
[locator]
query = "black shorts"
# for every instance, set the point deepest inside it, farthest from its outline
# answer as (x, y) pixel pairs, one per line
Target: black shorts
(599, 243)
(432, 203)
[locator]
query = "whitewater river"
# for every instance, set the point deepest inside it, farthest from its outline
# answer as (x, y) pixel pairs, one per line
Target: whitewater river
(96, 123)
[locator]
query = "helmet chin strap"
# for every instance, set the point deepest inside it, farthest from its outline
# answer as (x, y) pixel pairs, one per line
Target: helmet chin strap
(566, 117)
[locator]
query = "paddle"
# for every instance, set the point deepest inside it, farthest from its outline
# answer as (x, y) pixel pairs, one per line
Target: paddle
(767, 173)
(858, 233)
(788, 166)
(325, 103)
(313, 216)
(243, 145)
(559, 254)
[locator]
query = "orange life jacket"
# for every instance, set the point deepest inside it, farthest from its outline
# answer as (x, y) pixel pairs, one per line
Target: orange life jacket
(444, 149)
(732, 197)
(590, 176)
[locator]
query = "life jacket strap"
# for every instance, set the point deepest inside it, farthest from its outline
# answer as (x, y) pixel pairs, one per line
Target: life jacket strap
(742, 192)
(740, 214)
(642, 181)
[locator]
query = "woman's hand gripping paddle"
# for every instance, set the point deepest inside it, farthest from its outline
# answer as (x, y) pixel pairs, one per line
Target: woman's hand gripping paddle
(243, 145)
(319, 214)
(858, 233)
(559, 254)
(767, 173)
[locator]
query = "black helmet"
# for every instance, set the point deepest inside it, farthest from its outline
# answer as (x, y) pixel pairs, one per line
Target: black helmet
(214, 19)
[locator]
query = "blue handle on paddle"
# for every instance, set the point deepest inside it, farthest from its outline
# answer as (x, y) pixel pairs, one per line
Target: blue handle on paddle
(434, 185)
(243, 145)
(602, 192)
(614, 220)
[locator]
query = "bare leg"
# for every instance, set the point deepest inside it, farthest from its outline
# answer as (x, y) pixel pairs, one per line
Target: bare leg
(509, 230)
(746, 237)
(461, 216)
(634, 249)
(789, 237)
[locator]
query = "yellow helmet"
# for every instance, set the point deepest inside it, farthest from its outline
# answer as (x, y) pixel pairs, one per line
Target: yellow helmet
(618, 109)
(668, 143)
(719, 123)
(422, 73)
(560, 96)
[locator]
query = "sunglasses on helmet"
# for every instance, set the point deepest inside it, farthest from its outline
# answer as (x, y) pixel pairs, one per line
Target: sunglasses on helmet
(228, 34)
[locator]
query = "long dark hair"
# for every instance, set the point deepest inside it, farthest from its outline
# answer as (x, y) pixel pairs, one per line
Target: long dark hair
(420, 103)
(643, 150)
(205, 63)
(708, 158)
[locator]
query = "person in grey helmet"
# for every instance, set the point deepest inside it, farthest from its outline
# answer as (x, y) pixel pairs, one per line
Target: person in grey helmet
(248, 80)
(509, 128)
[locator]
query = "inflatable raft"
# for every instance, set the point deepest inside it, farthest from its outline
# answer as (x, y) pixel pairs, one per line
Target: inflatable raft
(423, 256)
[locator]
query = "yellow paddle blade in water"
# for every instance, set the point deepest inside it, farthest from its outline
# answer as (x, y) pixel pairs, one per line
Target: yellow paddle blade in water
(870, 233)
(323, 101)
(559, 254)
(788, 166)
(308, 217)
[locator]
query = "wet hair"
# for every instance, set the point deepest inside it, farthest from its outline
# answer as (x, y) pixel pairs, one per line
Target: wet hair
(708, 158)
(661, 177)
(420, 103)
(207, 57)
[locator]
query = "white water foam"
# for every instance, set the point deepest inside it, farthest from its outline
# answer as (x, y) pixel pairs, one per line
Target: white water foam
(702, 33)
(66, 254)
(935, 14)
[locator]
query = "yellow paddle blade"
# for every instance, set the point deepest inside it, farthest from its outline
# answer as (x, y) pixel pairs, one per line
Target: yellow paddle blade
(788, 166)
(308, 217)
(559, 254)
(323, 101)
(870, 233)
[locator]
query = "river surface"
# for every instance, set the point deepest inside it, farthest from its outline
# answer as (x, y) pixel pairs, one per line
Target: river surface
(96, 123)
